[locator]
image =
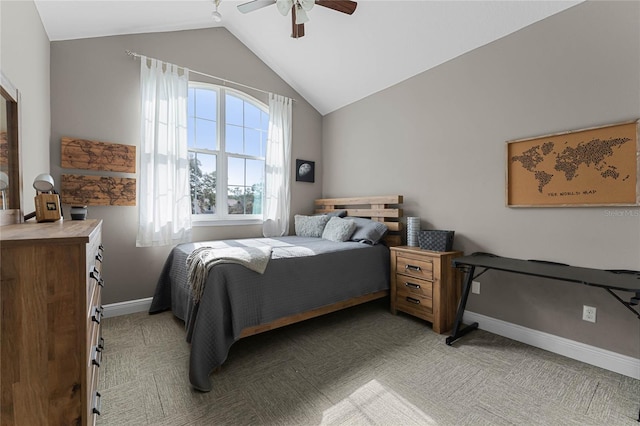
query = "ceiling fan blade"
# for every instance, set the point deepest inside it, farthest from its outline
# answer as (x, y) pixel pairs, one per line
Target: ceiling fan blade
(344, 6)
(297, 30)
(254, 5)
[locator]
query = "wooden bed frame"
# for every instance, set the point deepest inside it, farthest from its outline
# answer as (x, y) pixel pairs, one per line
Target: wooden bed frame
(379, 208)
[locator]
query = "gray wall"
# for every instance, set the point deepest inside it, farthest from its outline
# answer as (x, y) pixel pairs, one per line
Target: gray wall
(442, 137)
(95, 95)
(24, 60)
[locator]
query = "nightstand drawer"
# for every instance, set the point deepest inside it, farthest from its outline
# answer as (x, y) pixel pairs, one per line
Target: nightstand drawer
(415, 267)
(414, 286)
(414, 304)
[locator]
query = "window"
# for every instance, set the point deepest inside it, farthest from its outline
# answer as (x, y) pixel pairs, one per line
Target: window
(227, 137)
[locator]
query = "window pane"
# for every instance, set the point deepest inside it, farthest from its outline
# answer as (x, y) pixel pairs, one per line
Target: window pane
(236, 200)
(235, 171)
(264, 121)
(206, 104)
(233, 110)
(206, 134)
(254, 172)
(233, 139)
(202, 179)
(252, 142)
(251, 116)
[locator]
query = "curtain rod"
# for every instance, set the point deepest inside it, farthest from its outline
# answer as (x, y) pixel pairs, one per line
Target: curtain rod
(224, 80)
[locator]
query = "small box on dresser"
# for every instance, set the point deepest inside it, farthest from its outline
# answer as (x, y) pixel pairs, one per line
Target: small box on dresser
(50, 332)
(426, 285)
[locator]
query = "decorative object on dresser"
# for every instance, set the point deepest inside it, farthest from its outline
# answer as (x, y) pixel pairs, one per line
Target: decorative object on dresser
(50, 331)
(425, 284)
(47, 200)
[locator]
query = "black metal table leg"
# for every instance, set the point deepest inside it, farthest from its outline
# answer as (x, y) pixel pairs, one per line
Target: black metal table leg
(457, 332)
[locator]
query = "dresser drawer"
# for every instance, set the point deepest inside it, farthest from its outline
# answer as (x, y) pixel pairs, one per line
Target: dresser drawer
(415, 267)
(414, 286)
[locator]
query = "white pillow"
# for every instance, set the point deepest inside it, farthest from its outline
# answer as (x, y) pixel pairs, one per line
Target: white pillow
(310, 226)
(338, 229)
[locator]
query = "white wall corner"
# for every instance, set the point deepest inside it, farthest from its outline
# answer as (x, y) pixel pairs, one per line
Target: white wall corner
(602, 358)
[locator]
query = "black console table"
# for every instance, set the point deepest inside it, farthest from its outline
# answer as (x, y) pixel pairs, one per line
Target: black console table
(608, 280)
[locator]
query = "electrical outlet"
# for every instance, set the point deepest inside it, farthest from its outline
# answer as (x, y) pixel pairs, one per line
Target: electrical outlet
(475, 287)
(589, 313)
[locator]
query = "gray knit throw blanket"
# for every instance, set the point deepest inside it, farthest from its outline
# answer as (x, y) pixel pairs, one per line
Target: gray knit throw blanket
(204, 258)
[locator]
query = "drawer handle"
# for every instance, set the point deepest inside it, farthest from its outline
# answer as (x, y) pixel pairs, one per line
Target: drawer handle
(412, 300)
(97, 314)
(413, 268)
(95, 274)
(101, 343)
(101, 247)
(412, 285)
(97, 357)
(97, 403)
(99, 257)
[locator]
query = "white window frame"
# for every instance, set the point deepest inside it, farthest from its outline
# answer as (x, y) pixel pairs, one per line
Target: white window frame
(222, 217)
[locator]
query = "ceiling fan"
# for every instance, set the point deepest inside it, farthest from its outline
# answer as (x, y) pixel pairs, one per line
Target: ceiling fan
(299, 9)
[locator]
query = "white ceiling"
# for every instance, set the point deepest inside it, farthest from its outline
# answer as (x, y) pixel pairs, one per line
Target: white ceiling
(341, 59)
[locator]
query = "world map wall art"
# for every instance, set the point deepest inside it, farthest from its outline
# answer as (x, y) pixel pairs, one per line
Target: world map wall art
(598, 166)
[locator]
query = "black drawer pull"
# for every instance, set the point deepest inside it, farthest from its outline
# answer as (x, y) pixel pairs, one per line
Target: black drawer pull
(97, 314)
(95, 274)
(101, 343)
(101, 247)
(96, 359)
(413, 268)
(97, 403)
(412, 285)
(99, 257)
(412, 300)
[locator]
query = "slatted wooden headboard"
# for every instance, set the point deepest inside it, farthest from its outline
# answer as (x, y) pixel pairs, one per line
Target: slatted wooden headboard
(379, 208)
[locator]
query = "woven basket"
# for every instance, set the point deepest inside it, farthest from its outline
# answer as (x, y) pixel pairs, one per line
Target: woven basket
(436, 240)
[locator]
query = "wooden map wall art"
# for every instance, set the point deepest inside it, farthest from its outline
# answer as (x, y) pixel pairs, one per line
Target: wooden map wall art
(591, 167)
(98, 190)
(94, 190)
(92, 155)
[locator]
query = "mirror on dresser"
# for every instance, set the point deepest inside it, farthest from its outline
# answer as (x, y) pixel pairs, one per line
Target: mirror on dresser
(10, 166)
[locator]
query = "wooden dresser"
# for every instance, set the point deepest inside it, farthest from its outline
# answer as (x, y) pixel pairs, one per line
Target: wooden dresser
(51, 344)
(425, 284)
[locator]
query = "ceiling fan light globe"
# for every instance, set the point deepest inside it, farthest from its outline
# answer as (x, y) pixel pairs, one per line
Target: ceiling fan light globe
(306, 4)
(301, 16)
(284, 6)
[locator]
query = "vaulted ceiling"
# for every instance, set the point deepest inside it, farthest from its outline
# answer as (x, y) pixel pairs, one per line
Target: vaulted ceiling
(341, 59)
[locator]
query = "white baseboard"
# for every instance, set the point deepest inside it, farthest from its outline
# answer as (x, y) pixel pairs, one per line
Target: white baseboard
(128, 307)
(602, 358)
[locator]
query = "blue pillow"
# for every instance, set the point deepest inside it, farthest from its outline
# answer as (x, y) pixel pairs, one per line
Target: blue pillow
(368, 231)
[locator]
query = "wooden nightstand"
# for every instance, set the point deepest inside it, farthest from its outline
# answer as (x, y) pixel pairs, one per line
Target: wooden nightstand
(425, 284)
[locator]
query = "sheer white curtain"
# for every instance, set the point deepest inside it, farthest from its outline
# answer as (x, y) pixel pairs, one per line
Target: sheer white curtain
(164, 200)
(278, 168)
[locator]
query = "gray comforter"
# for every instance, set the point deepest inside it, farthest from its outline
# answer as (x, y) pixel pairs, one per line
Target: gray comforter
(303, 274)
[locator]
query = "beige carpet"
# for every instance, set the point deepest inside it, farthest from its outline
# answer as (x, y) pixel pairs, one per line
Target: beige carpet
(361, 366)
